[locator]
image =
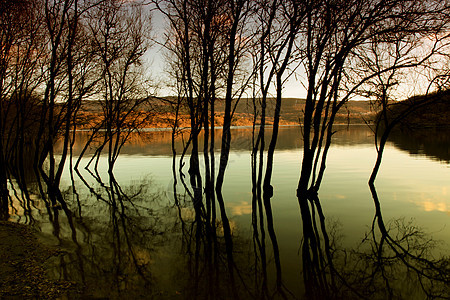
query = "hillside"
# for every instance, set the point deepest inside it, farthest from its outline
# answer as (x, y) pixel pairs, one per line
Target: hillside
(160, 114)
(355, 112)
(433, 111)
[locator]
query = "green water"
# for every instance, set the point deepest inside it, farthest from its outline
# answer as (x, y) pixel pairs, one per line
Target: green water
(139, 247)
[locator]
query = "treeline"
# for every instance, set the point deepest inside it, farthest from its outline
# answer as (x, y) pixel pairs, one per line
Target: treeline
(431, 111)
(222, 52)
(56, 56)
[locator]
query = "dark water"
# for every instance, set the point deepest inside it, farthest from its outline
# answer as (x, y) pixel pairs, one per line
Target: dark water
(128, 240)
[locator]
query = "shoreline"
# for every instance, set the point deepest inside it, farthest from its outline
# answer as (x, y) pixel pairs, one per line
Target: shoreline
(23, 271)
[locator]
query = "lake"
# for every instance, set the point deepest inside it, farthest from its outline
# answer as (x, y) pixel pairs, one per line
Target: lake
(128, 239)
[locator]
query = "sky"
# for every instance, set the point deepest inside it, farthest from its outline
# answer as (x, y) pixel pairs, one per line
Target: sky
(413, 84)
(155, 61)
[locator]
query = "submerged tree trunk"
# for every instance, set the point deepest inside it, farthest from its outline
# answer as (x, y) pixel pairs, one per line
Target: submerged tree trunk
(4, 193)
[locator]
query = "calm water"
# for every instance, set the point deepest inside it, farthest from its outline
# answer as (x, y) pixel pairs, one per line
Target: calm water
(129, 240)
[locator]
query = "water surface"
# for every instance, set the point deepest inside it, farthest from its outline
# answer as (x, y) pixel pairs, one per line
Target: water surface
(128, 239)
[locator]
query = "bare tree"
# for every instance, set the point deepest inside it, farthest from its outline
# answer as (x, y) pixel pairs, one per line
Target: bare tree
(206, 43)
(66, 80)
(391, 62)
(277, 26)
(20, 57)
(57, 55)
(192, 42)
(119, 32)
(333, 34)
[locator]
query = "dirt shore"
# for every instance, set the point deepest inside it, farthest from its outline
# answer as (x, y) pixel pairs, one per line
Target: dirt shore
(22, 266)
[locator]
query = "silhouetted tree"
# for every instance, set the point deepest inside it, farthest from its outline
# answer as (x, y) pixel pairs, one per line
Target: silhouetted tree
(334, 33)
(20, 51)
(400, 55)
(206, 44)
(120, 38)
(194, 44)
(278, 24)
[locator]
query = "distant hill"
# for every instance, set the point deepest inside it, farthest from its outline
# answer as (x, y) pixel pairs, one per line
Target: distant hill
(159, 113)
(434, 111)
(354, 112)
(162, 115)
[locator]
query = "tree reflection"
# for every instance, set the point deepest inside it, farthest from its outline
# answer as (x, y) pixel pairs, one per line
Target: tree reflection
(262, 210)
(431, 142)
(394, 261)
(111, 250)
(403, 254)
(130, 241)
(400, 247)
(207, 241)
(207, 273)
